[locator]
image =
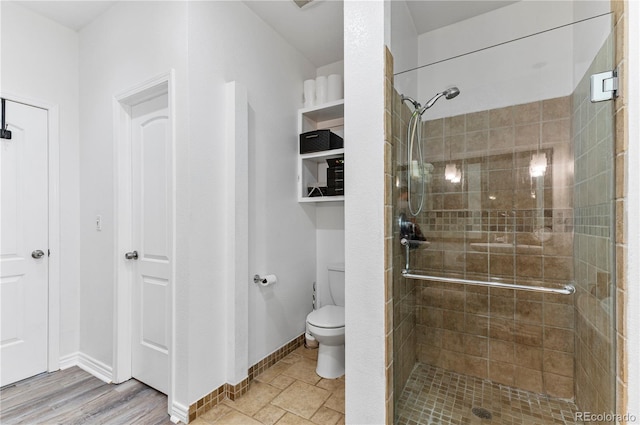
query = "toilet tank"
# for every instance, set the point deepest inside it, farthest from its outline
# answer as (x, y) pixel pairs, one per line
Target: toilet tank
(336, 283)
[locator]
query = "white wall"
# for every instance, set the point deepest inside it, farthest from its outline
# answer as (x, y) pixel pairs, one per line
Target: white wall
(129, 44)
(523, 71)
(281, 231)
(404, 48)
(40, 62)
(364, 211)
(544, 66)
(589, 36)
(331, 68)
(226, 42)
(329, 246)
(329, 223)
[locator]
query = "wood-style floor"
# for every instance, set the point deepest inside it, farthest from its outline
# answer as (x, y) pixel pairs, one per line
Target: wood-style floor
(73, 396)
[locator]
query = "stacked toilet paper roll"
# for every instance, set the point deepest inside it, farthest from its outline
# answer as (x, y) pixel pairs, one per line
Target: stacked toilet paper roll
(321, 90)
(334, 89)
(309, 93)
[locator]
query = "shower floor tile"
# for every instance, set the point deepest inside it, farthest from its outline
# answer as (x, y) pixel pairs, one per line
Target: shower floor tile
(437, 396)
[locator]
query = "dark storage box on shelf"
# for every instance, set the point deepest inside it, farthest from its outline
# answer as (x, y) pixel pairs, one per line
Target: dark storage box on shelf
(335, 176)
(319, 140)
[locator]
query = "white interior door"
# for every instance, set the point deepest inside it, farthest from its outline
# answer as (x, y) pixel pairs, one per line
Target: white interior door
(152, 240)
(24, 262)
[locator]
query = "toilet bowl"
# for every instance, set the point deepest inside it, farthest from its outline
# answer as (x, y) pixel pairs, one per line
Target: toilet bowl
(327, 325)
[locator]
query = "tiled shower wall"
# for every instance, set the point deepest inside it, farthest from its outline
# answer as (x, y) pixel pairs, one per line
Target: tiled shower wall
(499, 222)
(403, 291)
(594, 242)
(620, 19)
(397, 318)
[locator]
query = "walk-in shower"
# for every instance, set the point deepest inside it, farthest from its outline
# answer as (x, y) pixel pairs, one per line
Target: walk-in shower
(503, 238)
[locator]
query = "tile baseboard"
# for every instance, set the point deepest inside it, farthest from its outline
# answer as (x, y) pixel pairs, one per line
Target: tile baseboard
(233, 392)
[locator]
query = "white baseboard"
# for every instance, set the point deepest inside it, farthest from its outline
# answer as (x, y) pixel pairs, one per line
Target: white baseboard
(179, 413)
(69, 360)
(87, 363)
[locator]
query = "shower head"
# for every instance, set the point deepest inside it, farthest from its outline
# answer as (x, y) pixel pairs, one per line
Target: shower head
(449, 93)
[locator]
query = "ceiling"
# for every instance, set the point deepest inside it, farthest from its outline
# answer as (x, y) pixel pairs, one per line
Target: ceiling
(315, 30)
(429, 15)
(71, 14)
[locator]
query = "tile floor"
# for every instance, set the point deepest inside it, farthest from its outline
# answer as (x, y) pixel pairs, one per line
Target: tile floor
(289, 392)
(437, 396)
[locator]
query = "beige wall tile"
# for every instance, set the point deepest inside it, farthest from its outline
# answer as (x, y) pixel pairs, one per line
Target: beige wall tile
(529, 311)
(501, 351)
(556, 131)
(502, 307)
(553, 109)
(558, 339)
(476, 325)
(559, 315)
(476, 346)
(528, 356)
(559, 386)
(527, 135)
(558, 268)
(502, 373)
(502, 117)
(476, 366)
(502, 329)
(527, 113)
(528, 334)
(453, 320)
(528, 379)
(501, 139)
(454, 125)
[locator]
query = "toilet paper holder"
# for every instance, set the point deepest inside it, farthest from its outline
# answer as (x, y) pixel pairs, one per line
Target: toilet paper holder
(265, 280)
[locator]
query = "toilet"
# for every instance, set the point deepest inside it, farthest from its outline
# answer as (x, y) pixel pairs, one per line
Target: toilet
(326, 325)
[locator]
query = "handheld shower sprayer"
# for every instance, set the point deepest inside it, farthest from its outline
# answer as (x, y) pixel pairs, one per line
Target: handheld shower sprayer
(449, 93)
(414, 130)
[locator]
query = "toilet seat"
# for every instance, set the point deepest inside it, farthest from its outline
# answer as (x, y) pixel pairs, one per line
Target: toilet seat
(329, 316)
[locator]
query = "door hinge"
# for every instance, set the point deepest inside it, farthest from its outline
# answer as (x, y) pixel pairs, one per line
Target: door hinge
(604, 86)
(48, 253)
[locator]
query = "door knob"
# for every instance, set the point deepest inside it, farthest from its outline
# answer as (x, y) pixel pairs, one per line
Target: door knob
(38, 253)
(133, 255)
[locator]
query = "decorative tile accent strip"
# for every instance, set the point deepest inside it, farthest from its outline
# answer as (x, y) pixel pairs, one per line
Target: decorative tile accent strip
(594, 220)
(233, 392)
(274, 357)
(516, 220)
(207, 402)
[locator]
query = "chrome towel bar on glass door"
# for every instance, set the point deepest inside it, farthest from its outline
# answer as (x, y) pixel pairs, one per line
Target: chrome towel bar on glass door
(567, 289)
